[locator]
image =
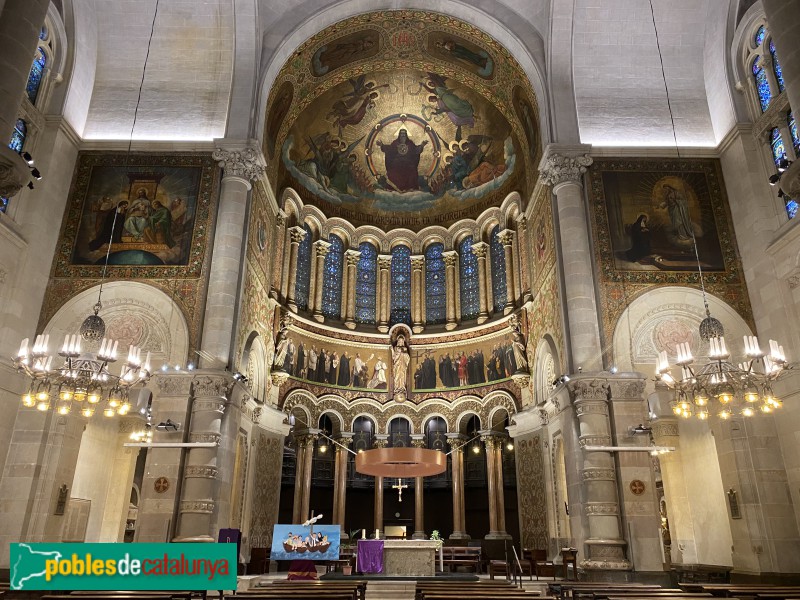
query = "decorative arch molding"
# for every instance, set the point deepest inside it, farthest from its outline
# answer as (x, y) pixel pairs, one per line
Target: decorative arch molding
(664, 316)
(135, 313)
(546, 363)
(255, 361)
(530, 53)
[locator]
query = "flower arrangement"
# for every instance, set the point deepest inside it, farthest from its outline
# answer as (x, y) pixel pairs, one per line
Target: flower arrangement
(437, 538)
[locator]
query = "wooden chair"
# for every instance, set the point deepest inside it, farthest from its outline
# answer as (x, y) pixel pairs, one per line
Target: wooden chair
(541, 566)
(259, 561)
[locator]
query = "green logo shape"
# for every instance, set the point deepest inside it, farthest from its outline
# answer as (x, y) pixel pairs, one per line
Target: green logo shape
(123, 567)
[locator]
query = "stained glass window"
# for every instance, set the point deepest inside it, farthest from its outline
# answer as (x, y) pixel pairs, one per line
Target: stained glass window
(43, 33)
(499, 287)
(401, 286)
(793, 130)
(35, 76)
(332, 279)
(778, 149)
(3, 204)
(303, 270)
(470, 290)
(776, 66)
(762, 85)
(760, 35)
(366, 283)
(791, 207)
(18, 136)
(435, 285)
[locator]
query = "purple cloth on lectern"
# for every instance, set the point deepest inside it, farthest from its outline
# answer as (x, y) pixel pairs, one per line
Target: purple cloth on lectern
(370, 556)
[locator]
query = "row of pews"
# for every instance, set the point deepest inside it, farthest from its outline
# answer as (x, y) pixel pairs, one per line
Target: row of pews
(686, 591)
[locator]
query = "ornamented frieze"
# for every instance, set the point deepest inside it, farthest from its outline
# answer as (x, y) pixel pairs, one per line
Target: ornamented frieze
(197, 506)
(594, 440)
(598, 474)
(202, 471)
(204, 436)
(601, 508)
(207, 386)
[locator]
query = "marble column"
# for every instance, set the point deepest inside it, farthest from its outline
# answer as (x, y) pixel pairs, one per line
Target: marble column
(417, 293)
(297, 235)
(481, 250)
(379, 504)
(242, 164)
(340, 480)
(456, 443)
(506, 238)
(20, 26)
(418, 441)
(277, 251)
(384, 292)
(563, 167)
(321, 249)
(491, 483)
(523, 248)
(605, 544)
(304, 456)
(450, 263)
(500, 487)
(200, 490)
(351, 258)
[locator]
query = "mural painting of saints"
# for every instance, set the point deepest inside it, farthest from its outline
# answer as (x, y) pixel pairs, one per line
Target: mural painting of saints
(457, 109)
(402, 162)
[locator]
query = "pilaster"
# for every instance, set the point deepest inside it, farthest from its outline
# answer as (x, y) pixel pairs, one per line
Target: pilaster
(297, 235)
(481, 249)
(450, 263)
(321, 249)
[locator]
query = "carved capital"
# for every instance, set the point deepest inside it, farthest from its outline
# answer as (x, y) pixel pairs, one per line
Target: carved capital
(557, 168)
(385, 261)
(281, 218)
(480, 249)
(418, 443)
(297, 234)
(587, 389)
(450, 258)
(627, 389)
(352, 257)
(544, 417)
(417, 263)
(665, 428)
(244, 163)
(322, 247)
(206, 386)
(492, 442)
(506, 237)
(306, 440)
(173, 385)
(456, 443)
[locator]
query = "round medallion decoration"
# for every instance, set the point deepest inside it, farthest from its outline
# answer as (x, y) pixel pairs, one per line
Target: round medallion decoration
(161, 485)
(637, 487)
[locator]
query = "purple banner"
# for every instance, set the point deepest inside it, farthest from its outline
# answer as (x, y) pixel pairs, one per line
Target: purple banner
(370, 556)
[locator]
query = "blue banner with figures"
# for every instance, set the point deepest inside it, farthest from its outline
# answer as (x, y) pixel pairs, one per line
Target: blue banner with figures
(314, 542)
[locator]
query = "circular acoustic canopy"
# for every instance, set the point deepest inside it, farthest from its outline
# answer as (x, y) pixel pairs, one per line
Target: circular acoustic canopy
(401, 463)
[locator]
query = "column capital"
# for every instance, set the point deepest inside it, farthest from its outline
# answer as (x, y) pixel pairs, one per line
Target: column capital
(384, 261)
(492, 441)
(322, 247)
(588, 389)
(450, 258)
(506, 237)
(352, 257)
(418, 440)
(298, 234)
(418, 262)
(456, 442)
(306, 440)
(281, 218)
(480, 249)
(239, 159)
(343, 442)
(564, 164)
(381, 440)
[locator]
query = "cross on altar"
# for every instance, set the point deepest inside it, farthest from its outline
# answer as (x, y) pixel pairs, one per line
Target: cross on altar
(399, 486)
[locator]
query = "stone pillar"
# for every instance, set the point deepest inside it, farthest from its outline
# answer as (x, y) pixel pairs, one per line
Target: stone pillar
(490, 444)
(115, 511)
(305, 491)
(456, 442)
(20, 25)
(351, 258)
(242, 164)
(304, 456)
(200, 490)
(418, 441)
(605, 546)
(340, 480)
(481, 250)
(499, 486)
(450, 262)
(277, 252)
(523, 247)
(384, 293)
(417, 293)
(379, 504)
(563, 167)
(506, 238)
(321, 248)
(297, 235)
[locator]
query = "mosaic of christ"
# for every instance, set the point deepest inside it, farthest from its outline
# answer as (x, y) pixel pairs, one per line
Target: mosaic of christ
(408, 142)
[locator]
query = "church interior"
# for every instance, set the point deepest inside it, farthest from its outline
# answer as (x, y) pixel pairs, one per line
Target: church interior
(520, 277)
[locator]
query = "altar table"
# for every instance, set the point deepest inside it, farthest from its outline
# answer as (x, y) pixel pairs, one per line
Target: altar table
(411, 558)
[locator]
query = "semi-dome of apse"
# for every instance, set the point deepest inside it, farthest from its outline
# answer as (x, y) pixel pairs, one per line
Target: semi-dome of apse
(402, 119)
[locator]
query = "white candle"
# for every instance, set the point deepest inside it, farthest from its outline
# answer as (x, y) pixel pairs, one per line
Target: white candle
(23, 348)
(363, 534)
(114, 350)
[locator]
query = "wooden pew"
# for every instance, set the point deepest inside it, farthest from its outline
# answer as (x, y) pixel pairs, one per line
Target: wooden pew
(358, 585)
(462, 556)
(576, 590)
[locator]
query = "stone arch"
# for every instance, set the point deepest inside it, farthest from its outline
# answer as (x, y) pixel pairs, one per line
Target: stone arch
(400, 415)
(254, 364)
(546, 363)
(463, 418)
(135, 313)
(337, 419)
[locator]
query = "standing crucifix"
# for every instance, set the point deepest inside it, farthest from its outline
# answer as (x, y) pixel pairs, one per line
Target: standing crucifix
(399, 486)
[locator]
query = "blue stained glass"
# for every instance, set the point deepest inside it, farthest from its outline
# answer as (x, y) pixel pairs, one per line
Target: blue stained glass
(762, 85)
(303, 284)
(793, 130)
(470, 288)
(35, 76)
(366, 283)
(401, 286)
(43, 33)
(3, 204)
(778, 149)
(332, 279)
(791, 208)
(435, 285)
(776, 66)
(760, 35)
(18, 136)
(498, 256)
